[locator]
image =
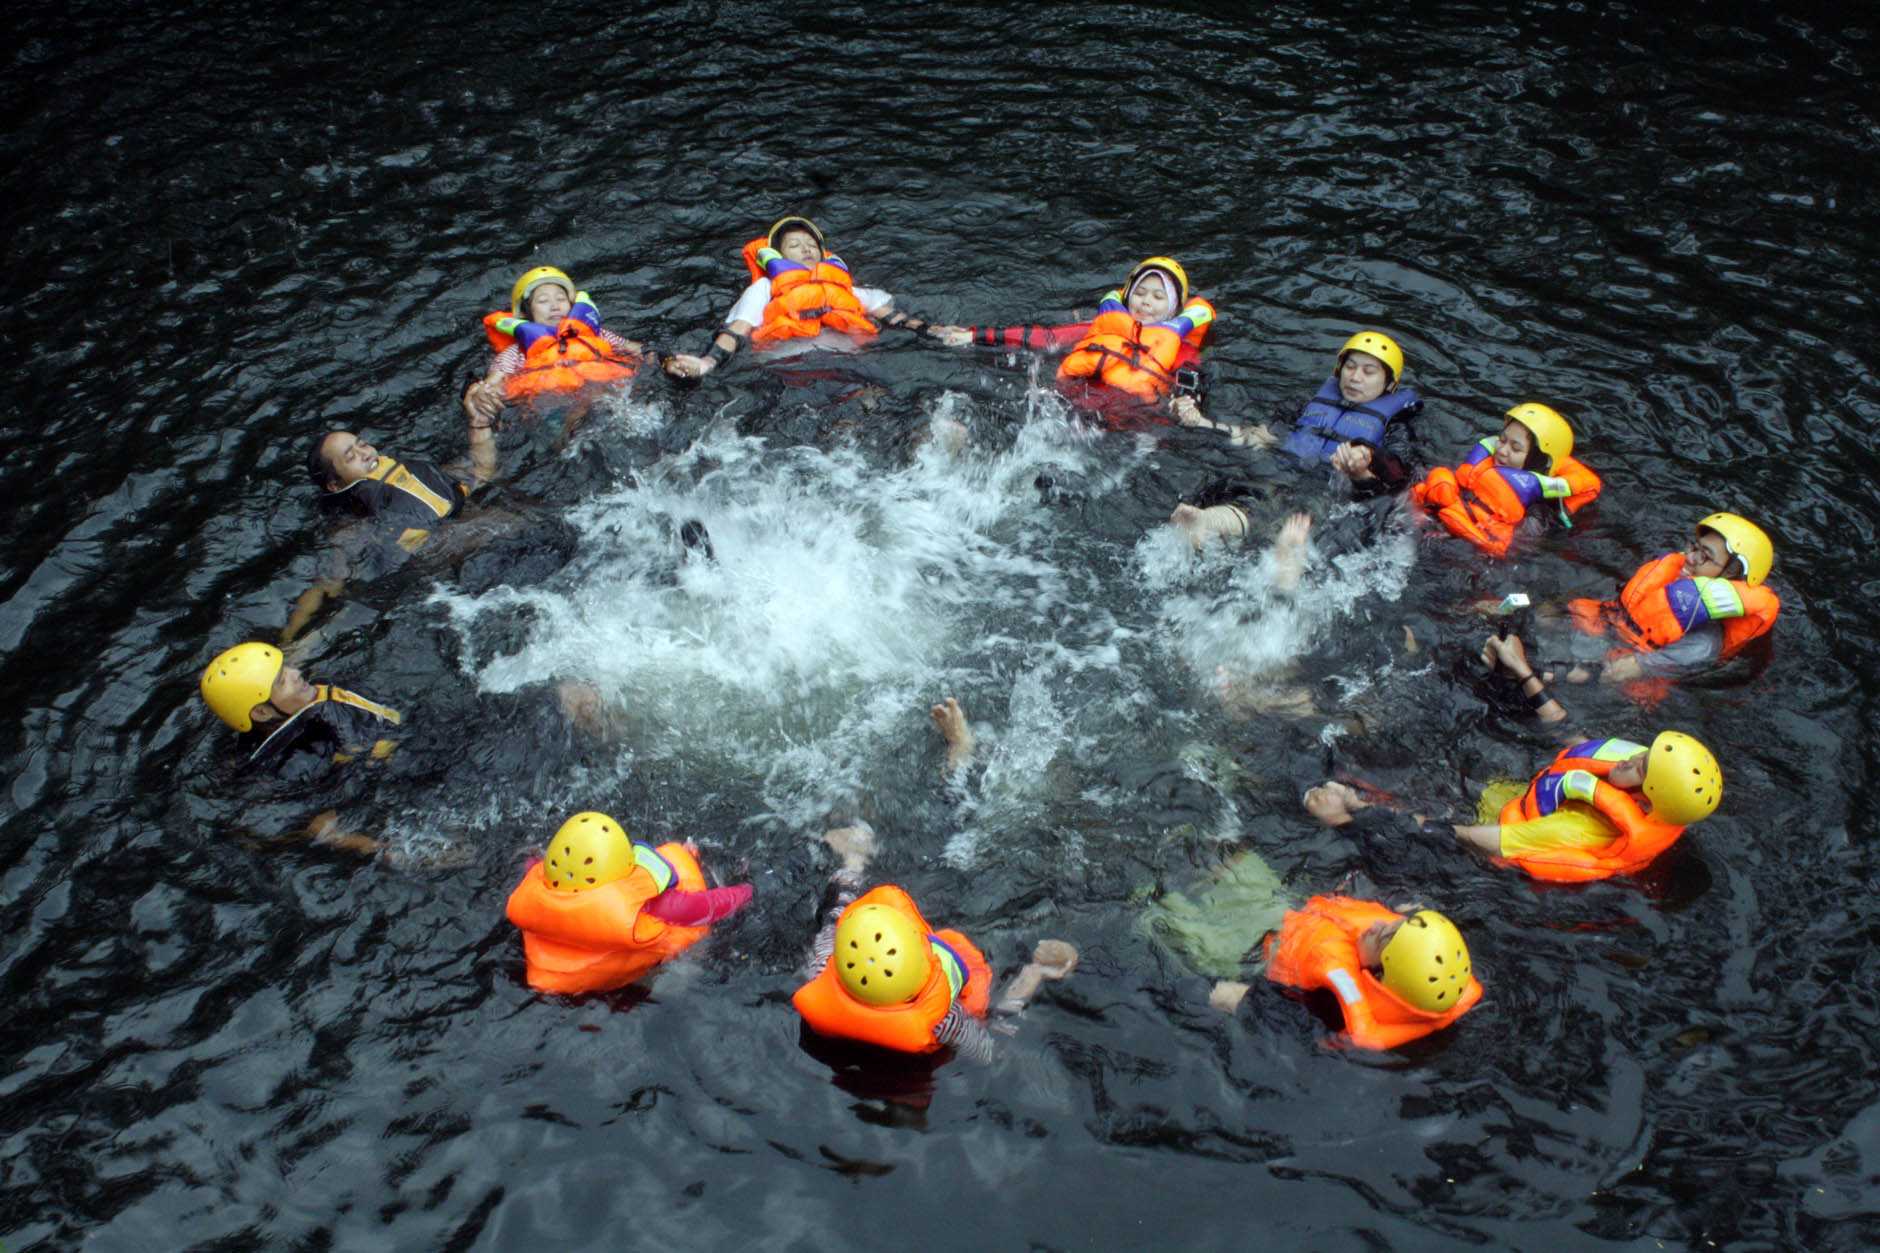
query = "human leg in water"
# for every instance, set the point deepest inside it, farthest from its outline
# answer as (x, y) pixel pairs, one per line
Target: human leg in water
(1226, 523)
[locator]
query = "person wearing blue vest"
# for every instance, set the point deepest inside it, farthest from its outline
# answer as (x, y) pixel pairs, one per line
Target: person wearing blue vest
(1358, 423)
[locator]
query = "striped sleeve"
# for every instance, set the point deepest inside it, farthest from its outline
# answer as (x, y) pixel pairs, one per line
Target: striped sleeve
(961, 1031)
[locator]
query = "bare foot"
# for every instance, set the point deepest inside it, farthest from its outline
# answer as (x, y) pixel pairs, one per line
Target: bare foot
(1222, 522)
(854, 845)
(1289, 550)
(1227, 995)
(956, 731)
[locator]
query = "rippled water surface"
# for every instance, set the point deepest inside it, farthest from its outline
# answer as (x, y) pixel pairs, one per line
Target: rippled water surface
(229, 233)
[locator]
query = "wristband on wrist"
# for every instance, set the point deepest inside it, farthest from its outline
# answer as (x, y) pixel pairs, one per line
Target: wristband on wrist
(1540, 697)
(718, 354)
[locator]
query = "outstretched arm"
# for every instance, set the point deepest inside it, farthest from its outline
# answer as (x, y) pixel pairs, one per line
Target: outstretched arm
(698, 909)
(1507, 653)
(725, 344)
(1485, 839)
(483, 466)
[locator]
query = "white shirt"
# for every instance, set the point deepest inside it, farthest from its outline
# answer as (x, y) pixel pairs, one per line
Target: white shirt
(750, 306)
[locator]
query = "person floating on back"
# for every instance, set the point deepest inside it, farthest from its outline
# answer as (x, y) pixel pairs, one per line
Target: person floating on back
(798, 292)
(1359, 423)
(1603, 807)
(550, 341)
(1686, 611)
(1137, 362)
(1497, 488)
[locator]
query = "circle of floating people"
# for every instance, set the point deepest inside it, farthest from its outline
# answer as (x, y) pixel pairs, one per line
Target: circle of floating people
(601, 908)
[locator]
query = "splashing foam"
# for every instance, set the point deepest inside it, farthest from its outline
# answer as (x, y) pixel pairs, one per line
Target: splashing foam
(842, 599)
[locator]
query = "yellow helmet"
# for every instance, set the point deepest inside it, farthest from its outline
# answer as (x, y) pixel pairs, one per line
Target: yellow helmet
(1426, 964)
(240, 679)
(1379, 345)
(1169, 266)
(1746, 541)
(781, 225)
(1551, 433)
(882, 956)
(1682, 779)
(589, 851)
(532, 279)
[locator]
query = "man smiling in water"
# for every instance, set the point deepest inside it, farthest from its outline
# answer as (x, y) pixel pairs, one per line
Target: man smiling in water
(397, 501)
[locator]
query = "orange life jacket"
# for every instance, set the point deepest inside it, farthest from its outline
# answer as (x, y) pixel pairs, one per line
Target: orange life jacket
(908, 1027)
(1317, 947)
(568, 360)
(1484, 503)
(1638, 838)
(599, 939)
(1660, 603)
(805, 302)
(1120, 352)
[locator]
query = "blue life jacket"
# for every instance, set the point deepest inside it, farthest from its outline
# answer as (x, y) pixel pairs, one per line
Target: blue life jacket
(1327, 421)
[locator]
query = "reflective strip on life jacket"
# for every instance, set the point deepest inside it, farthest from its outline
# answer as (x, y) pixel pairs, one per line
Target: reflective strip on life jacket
(392, 474)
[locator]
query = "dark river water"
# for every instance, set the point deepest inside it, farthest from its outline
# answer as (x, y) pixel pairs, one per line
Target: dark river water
(229, 228)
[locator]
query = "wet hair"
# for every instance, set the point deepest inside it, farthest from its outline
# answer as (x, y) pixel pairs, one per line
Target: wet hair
(319, 467)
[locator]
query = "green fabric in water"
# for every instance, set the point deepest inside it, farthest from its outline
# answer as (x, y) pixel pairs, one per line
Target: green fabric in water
(1218, 928)
(1498, 793)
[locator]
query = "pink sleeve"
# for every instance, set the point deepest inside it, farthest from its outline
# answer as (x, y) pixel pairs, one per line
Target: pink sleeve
(1036, 338)
(697, 909)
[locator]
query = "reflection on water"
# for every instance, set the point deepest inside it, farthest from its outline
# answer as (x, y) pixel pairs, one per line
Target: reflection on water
(228, 239)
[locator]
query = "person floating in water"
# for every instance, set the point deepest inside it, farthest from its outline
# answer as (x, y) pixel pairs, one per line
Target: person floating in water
(600, 909)
(1136, 363)
(292, 729)
(1687, 611)
(550, 341)
(1359, 423)
(880, 974)
(1601, 808)
(1493, 493)
(1399, 974)
(397, 503)
(798, 291)
(295, 729)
